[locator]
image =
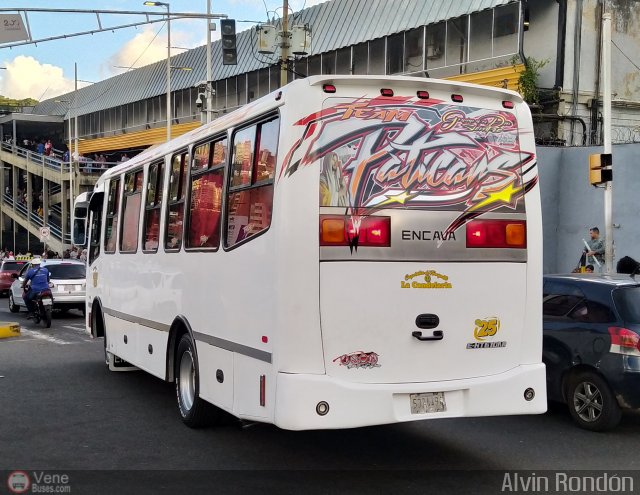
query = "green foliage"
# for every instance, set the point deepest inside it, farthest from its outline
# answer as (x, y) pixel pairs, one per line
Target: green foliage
(528, 81)
(11, 102)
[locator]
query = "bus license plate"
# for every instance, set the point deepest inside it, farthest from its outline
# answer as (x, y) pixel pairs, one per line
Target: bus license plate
(429, 402)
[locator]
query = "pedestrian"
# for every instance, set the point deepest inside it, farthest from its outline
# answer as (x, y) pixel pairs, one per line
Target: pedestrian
(48, 147)
(596, 246)
(40, 147)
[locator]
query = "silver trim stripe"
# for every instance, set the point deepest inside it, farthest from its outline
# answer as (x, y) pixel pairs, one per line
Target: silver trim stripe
(227, 345)
(134, 319)
(234, 347)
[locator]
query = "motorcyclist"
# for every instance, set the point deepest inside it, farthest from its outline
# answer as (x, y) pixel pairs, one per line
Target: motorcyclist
(36, 280)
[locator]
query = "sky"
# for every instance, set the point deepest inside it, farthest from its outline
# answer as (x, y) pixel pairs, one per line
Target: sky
(46, 70)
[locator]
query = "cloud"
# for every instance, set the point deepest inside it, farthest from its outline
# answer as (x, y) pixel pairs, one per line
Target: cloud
(26, 77)
(150, 45)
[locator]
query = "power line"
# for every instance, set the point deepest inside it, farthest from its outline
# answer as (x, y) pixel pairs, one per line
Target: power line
(625, 55)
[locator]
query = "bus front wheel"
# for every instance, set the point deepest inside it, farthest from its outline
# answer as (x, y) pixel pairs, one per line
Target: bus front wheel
(194, 411)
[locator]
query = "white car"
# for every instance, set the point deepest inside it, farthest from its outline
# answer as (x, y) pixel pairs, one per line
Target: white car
(69, 285)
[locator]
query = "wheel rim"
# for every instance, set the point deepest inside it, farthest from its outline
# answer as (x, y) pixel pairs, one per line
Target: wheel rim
(587, 402)
(187, 380)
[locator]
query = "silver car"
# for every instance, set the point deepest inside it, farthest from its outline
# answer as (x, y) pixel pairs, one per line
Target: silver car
(69, 285)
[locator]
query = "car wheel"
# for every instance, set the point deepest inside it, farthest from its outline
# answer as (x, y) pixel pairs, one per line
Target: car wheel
(194, 411)
(591, 402)
(13, 307)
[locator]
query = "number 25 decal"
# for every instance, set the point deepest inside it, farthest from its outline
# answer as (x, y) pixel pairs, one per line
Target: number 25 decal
(486, 328)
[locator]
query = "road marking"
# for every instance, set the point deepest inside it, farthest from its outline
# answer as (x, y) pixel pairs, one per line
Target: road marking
(43, 336)
(74, 327)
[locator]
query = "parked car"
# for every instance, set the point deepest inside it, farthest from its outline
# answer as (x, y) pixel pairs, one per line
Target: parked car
(69, 285)
(7, 267)
(591, 346)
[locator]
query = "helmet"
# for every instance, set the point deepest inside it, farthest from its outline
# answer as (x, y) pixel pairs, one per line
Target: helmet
(36, 261)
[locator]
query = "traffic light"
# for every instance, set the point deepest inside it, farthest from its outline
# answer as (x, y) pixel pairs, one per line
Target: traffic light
(228, 33)
(600, 168)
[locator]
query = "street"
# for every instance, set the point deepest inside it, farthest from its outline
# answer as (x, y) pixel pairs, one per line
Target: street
(63, 410)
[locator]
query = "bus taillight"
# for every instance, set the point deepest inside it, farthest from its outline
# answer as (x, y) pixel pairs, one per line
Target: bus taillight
(497, 234)
(339, 230)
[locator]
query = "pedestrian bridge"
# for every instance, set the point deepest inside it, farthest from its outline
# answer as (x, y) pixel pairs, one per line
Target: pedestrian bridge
(37, 191)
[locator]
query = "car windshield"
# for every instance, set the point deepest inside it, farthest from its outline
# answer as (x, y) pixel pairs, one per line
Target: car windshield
(66, 271)
(11, 266)
(628, 304)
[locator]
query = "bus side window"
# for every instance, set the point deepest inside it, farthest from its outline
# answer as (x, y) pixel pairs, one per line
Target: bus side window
(175, 211)
(250, 197)
(207, 175)
(152, 208)
(131, 212)
(111, 225)
(94, 246)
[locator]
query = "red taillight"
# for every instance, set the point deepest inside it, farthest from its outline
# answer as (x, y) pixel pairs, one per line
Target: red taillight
(386, 92)
(457, 98)
(497, 234)
(336, 230)
(624, 341)
(328, 88)
(507, 104)
(423, 95)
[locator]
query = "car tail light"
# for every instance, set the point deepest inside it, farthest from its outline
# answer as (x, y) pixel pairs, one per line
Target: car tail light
(339, 230)
(624, 341)
(497, 234)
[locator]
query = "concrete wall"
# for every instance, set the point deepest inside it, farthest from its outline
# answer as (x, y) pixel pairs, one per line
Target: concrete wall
(570, 205)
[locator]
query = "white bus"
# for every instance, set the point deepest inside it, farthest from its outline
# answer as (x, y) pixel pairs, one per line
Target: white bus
(345, 251)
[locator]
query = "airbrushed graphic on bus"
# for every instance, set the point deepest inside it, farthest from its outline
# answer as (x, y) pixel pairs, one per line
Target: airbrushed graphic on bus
(405, 152)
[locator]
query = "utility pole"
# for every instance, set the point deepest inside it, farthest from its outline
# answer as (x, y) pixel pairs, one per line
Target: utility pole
(284, 47)
(209, 87)
(606, 111)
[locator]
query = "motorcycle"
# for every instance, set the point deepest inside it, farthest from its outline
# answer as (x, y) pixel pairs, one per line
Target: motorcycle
(43, 307)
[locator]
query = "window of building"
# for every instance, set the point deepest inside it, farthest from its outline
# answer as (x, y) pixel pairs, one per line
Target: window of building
(456, 52)
(250, 197)
(131, 211)
(360, 59)
(413, 52)
(207, 176)
(505, 29)
(175, 210)
(343, 61)
(480, 43)
(314, 67)
(435, 46)
(152, 208)
(377, 65)
(395, 54)
(113, 208)
(329, 63)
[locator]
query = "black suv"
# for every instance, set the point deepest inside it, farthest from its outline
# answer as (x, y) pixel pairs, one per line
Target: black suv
(591, 346)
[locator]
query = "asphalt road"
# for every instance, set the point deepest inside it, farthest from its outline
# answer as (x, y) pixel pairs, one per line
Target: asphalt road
(61, 409)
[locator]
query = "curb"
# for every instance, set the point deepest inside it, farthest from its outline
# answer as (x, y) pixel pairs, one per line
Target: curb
(9, 329)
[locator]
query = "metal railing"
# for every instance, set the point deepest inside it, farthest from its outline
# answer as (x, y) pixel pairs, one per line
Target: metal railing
(50, 162)
(21, 210)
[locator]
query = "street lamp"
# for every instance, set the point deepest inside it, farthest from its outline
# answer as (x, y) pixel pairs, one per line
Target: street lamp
(166, 4)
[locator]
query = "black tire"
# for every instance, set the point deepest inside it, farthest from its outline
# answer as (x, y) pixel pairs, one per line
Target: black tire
(195, 413)
(591, 403)
(47, 317)
(13, 307)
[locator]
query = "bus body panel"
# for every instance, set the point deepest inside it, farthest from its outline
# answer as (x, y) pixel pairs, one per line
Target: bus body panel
(274, 311)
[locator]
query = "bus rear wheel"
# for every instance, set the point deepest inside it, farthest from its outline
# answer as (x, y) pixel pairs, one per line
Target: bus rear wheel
(195, 412)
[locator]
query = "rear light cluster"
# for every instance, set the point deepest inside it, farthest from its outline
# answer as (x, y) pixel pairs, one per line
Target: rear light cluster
(497, 234)
(339, 230)
(624, 341)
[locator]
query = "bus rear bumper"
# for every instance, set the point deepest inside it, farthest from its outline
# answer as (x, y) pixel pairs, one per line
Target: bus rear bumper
(354, 405)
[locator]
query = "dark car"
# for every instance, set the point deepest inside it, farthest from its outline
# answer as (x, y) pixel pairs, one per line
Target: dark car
(591, 346)
(7, 267)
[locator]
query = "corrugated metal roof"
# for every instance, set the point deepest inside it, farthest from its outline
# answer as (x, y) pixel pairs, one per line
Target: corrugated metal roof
(335, 24)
